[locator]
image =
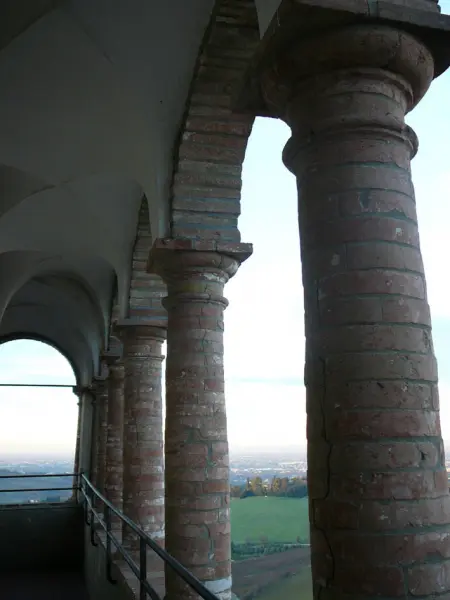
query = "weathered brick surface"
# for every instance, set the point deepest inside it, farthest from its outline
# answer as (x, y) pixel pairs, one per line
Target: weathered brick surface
(143, 454)
(378, 489)
(207, 175)
(100, 434)
(146, 290)
(196, 454)
(114, 438)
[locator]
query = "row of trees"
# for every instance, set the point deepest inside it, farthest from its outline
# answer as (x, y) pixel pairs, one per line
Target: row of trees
(295, 487)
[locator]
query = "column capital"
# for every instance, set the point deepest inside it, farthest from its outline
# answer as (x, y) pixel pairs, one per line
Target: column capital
(116, 367)
(171, 256)
(311, 37)
(141, 341)
(127, 328)
(100, 386)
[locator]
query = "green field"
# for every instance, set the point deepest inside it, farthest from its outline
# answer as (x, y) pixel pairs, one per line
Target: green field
(278, 519)
(298, 587)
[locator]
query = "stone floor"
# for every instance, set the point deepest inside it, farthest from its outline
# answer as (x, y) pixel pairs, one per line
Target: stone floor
(42, 586)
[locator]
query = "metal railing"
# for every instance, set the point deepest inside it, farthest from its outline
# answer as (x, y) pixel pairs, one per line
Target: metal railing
(73, 487)
(93, 517)
(95, 521)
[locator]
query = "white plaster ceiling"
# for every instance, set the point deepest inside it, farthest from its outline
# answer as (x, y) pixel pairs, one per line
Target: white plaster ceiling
(93, 93)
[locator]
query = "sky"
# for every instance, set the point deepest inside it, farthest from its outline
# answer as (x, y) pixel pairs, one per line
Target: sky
(264, 332)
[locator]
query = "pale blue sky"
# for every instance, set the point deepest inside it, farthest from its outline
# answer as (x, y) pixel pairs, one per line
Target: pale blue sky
(264, 334)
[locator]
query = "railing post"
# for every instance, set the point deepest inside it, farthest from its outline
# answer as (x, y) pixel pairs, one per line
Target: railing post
(142, 568)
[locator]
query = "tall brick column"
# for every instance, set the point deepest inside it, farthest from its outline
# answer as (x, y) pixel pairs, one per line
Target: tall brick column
(100, 435)
(379, 501)
(196, 444)
(114, 438)
(143, 447)
(76, 460)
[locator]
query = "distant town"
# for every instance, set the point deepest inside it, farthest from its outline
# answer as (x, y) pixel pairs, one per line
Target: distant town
(245, 465)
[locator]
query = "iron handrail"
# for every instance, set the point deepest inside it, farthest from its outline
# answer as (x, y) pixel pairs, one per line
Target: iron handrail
(38, 476)
(140, 570)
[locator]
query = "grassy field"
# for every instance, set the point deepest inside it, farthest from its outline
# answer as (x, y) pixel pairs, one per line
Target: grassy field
(278, 519)
(298, 587)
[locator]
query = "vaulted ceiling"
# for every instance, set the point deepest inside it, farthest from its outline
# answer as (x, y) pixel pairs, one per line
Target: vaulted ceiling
(93, 93)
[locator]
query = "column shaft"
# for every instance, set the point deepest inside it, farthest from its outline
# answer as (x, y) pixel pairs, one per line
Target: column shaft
(99, 459)
(196, 444)
(143, 448)
(378, 489)
(114, 438)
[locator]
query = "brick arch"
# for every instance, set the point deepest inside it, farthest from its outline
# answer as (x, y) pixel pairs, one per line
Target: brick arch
(146, 289)
(206, 185)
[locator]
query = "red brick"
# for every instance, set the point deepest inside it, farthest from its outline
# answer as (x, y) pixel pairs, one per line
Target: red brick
(370, 581)
(383, 255)
(386, 394)
(382, 516)
(384, 456)
(429, 579)
(364, 229)
(378, 336)
(398, 549)
(384, 486)
(376, 424)
(373, 282)
(354, 202)
(367, 365)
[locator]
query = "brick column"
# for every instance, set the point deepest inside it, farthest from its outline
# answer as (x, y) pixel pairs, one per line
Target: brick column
(114, 438)
(196, 445)
(100, 434)
(378, 489)
(76, 460)
(143, 448)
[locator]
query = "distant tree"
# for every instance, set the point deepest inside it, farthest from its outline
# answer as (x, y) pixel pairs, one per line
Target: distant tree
(236, 491)
(275, 486)
(284, 484)
(256, 486)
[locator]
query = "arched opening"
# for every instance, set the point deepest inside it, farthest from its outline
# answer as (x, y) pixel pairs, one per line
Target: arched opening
(38, 422)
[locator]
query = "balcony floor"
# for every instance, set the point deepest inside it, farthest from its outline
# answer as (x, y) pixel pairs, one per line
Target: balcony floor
(43, 586)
